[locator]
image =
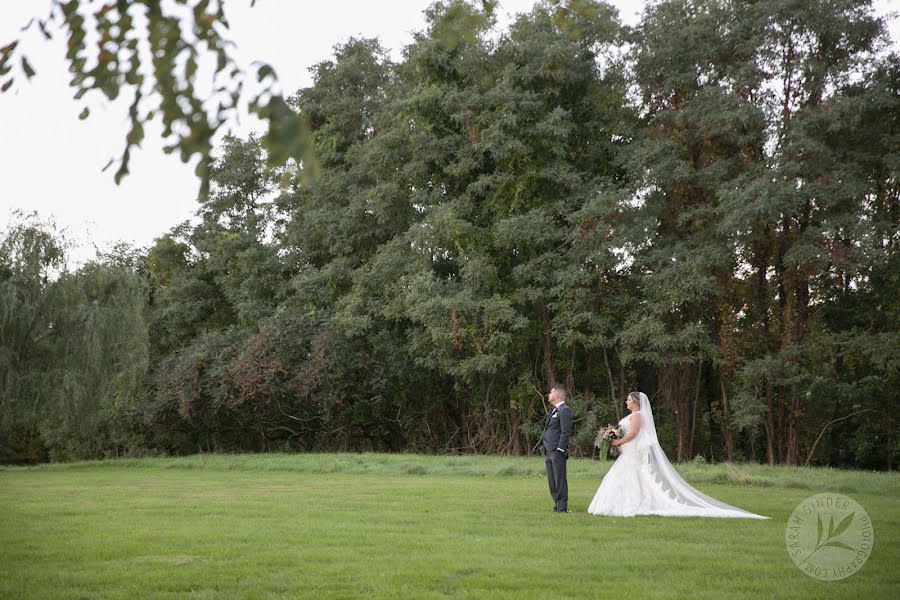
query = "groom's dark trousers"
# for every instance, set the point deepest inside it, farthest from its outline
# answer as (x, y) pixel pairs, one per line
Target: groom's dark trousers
(555, 449)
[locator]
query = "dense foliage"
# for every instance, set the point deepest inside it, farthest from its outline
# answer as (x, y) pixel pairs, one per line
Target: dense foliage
(705, 207)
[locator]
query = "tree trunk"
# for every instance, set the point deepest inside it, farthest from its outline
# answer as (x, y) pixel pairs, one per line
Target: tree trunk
(620, 403)
(612, 386)
(792, 450)
(770, 423)
(752, 438)
(781, 426)
(694, 404)
(547, 341)
(675, 386)
(726, 419)
(762, 299)
(462, 408)
(516, 444)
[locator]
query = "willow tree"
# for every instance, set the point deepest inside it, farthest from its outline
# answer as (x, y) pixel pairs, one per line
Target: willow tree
(73, 351)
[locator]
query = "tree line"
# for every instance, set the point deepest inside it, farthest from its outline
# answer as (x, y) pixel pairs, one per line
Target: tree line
(704, 207)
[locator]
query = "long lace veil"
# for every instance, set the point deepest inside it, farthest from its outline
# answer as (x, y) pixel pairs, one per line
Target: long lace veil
(666, 475)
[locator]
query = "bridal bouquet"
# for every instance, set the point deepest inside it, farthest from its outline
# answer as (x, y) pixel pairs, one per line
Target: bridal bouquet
(604, 439)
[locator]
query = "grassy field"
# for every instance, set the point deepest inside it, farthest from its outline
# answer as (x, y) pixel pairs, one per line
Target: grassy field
(404, 526)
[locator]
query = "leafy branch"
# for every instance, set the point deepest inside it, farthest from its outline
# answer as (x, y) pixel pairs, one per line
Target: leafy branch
(155, 54)
(828, 540)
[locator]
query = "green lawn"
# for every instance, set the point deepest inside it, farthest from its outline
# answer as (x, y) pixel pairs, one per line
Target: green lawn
(403, 526)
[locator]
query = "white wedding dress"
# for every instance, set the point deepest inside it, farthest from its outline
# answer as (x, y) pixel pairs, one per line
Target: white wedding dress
(642, 481)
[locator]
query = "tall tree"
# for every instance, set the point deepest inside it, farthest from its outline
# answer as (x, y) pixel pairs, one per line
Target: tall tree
(73, 351)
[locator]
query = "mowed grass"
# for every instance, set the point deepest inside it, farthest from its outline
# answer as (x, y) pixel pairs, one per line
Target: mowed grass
(407, 526)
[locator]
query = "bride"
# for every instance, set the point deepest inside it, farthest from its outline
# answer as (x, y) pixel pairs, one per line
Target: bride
(643, 482)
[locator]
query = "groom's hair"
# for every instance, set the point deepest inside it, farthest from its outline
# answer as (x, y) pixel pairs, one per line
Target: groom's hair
(560, 390)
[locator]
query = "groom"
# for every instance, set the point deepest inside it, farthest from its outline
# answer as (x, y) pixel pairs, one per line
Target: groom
(555, 448)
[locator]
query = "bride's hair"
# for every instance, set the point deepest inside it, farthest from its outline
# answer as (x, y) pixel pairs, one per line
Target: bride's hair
(636, 398)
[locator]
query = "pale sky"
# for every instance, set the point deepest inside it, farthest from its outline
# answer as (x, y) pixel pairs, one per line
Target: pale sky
(50, 161)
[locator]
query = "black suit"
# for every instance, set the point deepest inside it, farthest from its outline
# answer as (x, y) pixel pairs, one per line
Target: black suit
(555, 448)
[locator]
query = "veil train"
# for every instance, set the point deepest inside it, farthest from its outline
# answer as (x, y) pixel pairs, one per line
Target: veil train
(664, 474)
